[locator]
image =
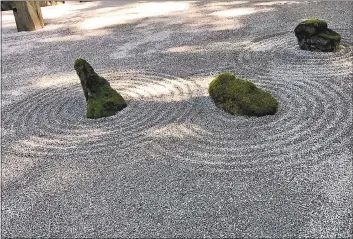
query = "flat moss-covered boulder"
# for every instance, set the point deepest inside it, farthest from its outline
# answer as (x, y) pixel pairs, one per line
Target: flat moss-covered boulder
(101, 99)
(313, 35)
(238, 96)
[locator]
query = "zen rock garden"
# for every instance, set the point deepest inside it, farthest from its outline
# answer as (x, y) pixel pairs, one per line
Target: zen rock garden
(231, 94)
(313, 35)
(176, 119)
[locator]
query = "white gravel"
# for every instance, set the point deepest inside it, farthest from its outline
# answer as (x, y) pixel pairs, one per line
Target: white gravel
(171, 164)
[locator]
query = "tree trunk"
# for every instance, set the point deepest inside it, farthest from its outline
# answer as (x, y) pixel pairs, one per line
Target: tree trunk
(28, 15)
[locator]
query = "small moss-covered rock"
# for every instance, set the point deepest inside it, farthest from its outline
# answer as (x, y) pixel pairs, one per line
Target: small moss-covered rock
(101, 99)
(313, 35)
(238, 96)
(330, 35)
(318, 25)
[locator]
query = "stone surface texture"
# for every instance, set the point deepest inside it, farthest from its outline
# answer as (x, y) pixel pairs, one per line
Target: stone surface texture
(313, 35)
(102, 100)
(240, 96)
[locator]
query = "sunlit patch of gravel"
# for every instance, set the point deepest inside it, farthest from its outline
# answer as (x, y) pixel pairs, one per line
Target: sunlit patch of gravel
(172, 164)
(54, 121)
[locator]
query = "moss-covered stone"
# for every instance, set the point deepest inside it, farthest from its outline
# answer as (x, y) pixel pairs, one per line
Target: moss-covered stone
(239, 96)
(317, 23)
(330, 35)
(101, 99)
(313, 35)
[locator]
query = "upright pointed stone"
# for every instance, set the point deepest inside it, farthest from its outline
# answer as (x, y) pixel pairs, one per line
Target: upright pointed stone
(101, 99)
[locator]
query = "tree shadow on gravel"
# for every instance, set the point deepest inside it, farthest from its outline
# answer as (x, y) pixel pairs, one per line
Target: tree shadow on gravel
(157, 42)
(139, 193)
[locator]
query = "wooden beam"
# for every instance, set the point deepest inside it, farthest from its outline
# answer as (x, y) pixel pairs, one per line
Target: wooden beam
(28, 15)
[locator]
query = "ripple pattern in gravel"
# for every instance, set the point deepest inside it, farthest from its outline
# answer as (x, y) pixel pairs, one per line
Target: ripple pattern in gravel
(180, 120)
(52, 121)
(314, 120)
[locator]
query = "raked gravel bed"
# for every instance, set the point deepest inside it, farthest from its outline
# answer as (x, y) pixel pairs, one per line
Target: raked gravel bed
(172, 164)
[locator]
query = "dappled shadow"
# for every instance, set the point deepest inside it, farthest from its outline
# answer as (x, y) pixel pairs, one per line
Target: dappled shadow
(131, 13)
(144, 41)
(215, 174)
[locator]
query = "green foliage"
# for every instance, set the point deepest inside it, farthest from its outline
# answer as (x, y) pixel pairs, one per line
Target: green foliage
(238, 96)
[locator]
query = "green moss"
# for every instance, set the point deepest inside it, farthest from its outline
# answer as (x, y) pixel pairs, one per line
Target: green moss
(106, 102)
(86, 73)
(79, 61)
(101, 99)
(238, 96)
(319, 25)
(314, 21)
(331, 35)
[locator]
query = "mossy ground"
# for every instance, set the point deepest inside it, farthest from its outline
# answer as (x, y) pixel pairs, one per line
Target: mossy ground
(238, 96)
